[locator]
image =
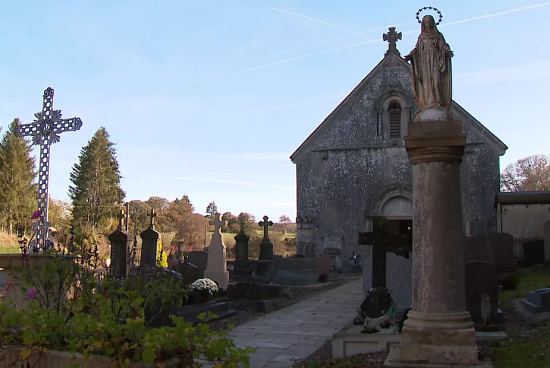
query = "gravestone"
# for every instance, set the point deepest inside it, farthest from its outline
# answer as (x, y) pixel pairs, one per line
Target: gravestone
(538, 301)
(241, 246)
(119, 249)
(481, 282)
(198, 258)
(242, 267)
(482, 293)
(547, 241)
(216, 267)
(266, 246)
(189, 271)
(502, 245)
(149, 241)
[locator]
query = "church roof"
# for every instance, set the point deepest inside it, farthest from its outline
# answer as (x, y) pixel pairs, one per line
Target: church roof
(391, 58)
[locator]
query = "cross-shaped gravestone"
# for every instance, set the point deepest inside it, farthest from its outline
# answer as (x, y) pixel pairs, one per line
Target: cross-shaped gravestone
(152, 216)
(392, 38)
(149, 242)
(217, 225)
(266, 225)
(45, 130)
(266, 246)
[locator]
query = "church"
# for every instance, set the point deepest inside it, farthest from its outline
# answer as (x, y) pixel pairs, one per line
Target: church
(354, 178)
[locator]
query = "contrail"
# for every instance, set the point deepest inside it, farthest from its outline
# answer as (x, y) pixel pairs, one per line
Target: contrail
(315, 20)
(497, 14)
(362, 43)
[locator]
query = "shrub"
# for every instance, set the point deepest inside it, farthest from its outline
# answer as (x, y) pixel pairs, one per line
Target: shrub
(71, 308)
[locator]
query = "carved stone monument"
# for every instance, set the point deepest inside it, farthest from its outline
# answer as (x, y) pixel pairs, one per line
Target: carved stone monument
(149, 241)
(439, 331)
(119, 249)
(216, 268)
(45, 131)
(266, 246)
(242, 268)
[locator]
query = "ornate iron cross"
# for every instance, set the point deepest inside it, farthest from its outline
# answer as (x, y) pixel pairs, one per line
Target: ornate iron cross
(45, 130)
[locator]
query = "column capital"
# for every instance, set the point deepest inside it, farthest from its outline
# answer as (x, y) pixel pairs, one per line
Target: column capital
(435, 141)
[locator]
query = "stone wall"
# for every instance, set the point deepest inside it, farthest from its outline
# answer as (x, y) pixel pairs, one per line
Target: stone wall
(349, 165)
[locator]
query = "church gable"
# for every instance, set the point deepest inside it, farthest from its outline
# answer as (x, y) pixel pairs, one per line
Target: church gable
(362, 118)
(377, 112)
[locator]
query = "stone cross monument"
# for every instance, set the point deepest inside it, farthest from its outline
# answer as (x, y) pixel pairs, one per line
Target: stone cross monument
(119, 249)
(216, 267)
(392, 37)
(438, 331)
(266, 246)
(45, 130)
(149, 241)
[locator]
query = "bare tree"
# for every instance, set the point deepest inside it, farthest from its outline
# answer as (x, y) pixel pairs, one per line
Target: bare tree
(527, 174)
(285, 220)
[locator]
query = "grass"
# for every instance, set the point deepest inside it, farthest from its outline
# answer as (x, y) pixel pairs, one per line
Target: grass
(530, 278)
(532, 353)
(8, 243)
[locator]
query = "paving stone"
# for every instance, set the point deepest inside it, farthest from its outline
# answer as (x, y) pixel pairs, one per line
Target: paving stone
(295, 332)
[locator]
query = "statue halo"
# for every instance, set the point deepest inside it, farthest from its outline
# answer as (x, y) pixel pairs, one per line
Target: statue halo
(429, 8)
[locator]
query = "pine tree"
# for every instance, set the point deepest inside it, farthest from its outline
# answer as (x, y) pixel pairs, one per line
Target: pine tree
(95, 191)
(17, 191)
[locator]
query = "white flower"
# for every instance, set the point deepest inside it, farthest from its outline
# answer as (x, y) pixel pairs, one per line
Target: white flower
(205, 285)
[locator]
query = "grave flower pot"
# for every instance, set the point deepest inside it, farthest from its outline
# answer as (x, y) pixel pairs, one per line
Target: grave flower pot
(201, 297)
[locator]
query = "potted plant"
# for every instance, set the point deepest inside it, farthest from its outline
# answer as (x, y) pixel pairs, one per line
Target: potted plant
(203, 289)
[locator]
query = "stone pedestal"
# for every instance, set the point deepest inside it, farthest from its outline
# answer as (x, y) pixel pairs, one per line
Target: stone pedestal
(438, 331)
(216, 267)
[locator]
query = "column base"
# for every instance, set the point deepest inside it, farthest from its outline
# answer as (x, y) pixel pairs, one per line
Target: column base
(437, 340)
(392, 361)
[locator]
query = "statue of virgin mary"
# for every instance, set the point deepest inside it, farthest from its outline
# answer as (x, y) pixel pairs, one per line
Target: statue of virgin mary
(431, 68)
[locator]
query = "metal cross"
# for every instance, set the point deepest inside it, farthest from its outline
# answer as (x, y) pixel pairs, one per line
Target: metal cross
(392, 38)
(152, 216)
(266, 224)
(45, 130)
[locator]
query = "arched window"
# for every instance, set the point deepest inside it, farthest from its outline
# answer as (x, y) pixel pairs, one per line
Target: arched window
(394, 113)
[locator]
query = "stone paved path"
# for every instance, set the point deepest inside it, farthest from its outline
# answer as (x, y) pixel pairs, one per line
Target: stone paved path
(295, 332)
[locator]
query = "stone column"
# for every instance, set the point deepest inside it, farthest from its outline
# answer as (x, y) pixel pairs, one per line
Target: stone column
(439, 331)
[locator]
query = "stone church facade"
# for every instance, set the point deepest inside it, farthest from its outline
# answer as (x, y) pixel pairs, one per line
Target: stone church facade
(354, 179)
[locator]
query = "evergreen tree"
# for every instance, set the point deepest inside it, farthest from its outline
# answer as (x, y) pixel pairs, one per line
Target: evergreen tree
(17, 191)
(211, 209)
(95, 190)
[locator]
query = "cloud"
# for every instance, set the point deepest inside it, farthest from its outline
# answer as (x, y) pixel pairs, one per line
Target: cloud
(497, 14)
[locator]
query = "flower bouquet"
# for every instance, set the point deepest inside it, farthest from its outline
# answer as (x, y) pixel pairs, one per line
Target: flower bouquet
(204, 289)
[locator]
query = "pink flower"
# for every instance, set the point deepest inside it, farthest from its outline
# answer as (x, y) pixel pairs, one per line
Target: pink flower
(36, 214)
(31, 293)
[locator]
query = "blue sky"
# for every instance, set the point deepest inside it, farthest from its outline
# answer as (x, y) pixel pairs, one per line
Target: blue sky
(210, 98)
